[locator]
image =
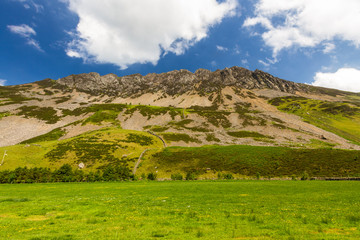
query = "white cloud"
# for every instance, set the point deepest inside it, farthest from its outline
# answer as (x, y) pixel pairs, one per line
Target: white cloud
(245, 63)
(23, 30)
(38, 7)
(306, 23)
(347, 79)
(26, 32)
(221, 48)
(34, 43)
(125, 32)
(266, 64)
(328, 47)
(2, 82)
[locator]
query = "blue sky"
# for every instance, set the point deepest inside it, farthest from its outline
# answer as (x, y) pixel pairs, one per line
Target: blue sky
(315, 42)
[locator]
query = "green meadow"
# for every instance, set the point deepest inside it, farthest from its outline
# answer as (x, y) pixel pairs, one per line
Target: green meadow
(181, 210)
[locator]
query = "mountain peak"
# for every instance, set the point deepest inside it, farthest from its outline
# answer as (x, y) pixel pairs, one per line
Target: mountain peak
(178, 82)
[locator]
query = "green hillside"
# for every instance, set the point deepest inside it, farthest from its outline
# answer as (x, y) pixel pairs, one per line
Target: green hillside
(95, 149)
(340, 118)
(115, 146)
(242, 161)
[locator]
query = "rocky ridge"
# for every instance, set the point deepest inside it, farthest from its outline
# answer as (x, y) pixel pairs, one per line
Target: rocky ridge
(178, 82)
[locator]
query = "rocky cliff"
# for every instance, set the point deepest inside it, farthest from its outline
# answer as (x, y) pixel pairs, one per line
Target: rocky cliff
(178, 82)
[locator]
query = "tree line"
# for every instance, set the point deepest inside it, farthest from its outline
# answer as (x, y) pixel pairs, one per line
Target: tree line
(64, 174)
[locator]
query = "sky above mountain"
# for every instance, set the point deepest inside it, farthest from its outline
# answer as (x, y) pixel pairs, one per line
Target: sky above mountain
(306, 41)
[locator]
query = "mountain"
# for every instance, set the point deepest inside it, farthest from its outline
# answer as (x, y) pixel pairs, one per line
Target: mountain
(233, 106)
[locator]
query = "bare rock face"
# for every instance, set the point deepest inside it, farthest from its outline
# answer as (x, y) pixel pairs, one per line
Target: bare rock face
(178, 82)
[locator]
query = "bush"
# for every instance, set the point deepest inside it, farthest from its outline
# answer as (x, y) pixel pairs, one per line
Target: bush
(176, 176)
(151, 176)
(305, 176)
(228, 176)
(190, 176)
(225, 176)
(64, 174)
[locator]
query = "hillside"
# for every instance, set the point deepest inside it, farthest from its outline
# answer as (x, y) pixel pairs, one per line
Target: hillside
(233, 106)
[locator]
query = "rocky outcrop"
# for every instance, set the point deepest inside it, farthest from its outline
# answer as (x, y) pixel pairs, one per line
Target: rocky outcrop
(178, 82)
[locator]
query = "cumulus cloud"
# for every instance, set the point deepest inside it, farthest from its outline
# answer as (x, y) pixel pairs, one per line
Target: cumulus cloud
(347, 79)
(125, 32)
(26, 32)
(2, 82)
(306, 23)
(221, 48)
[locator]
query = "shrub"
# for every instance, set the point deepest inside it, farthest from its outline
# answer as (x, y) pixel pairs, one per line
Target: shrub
(245, 134)
(50, 136)
(46, 114)
(176, 137)
(305, 176)
(152, 176)
(190, 176)
(228, 176)
(176, 176)
(211, 138)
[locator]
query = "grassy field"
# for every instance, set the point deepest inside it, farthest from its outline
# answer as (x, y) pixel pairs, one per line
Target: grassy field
(181, 210)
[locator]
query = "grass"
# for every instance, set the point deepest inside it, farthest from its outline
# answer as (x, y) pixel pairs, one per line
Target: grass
(47, 114)
(4, 114)
(103, 116)
(340, 118)
(150, 111)
(100, 148)
(177, 137)
(61, 99)
(96, 149)
(181, 210)
(50, 136)
(183, 125)
(216, 118)
(109, 112)
(159, 128)
(245, 161)
(210, 137)
(246, 134)
(12, 94)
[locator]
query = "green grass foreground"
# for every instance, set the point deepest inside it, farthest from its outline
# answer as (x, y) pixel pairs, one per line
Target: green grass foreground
(181, 210)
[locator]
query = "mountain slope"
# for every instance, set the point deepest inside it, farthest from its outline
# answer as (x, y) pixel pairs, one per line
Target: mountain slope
(230, 106)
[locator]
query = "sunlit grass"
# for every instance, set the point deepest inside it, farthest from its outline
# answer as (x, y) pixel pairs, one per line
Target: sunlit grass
(181, 210)
(340, 118)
